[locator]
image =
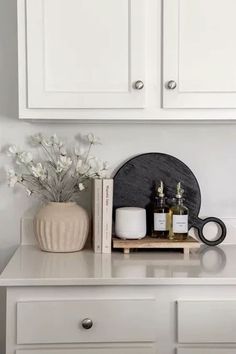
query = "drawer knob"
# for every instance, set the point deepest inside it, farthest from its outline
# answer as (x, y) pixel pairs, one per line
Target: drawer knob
(171, 85)
(139, 85)
(87, 323)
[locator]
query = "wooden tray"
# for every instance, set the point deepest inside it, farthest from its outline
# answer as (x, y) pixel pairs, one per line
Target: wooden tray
(150, 242)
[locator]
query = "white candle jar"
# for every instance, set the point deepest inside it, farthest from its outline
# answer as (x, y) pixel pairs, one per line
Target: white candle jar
(130, 223)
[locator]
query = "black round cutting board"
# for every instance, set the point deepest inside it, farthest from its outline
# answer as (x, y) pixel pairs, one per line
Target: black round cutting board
(134, 186)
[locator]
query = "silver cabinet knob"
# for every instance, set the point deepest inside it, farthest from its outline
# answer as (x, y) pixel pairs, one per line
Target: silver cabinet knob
(139, 85)
(87, 323)
(171, 85)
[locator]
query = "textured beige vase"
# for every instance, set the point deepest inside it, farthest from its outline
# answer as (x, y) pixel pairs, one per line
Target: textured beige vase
(61, 227)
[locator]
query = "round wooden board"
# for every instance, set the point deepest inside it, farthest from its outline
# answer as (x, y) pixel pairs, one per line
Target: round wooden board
(135, 180)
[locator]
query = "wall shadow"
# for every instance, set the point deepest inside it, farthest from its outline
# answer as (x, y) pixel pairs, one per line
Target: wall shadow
(8, 60)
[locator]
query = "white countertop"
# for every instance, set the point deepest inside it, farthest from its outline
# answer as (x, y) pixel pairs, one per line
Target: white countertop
(30, 266)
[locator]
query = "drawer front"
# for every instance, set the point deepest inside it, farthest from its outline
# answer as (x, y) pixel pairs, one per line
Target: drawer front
(40, 322)
(206, 321)
(207, 351)
(97, 350)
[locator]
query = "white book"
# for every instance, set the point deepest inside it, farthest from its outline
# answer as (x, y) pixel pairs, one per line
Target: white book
(97, 215)
(107, 200)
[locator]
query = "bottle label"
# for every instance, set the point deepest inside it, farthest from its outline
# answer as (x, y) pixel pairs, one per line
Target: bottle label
(160, 221)
(180, 224)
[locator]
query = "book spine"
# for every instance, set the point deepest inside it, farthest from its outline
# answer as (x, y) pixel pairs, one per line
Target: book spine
(107, 215)
(97, 216)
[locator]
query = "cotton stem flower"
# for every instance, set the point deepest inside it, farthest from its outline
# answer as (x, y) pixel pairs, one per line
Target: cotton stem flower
(37, 139)
(12, 151)
(93, 139)
(39, 171)
(63, 164)
(59, 176)
(81, 186)
(79, 151)
(24, 158)
(13, 178)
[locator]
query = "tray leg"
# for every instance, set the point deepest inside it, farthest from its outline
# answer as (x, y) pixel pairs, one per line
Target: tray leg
(126, 250)
(186, 251)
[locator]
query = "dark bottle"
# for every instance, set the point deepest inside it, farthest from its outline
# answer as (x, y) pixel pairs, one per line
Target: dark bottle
(179, 217)
(161, 223)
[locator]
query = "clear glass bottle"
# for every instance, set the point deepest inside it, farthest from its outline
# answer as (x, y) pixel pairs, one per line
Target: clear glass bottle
(161, 223)
(179, 217)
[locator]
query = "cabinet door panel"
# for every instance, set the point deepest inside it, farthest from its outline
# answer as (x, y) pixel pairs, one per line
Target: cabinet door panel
(206, 321)
(85, 53)
(200, 53)
(62, 321)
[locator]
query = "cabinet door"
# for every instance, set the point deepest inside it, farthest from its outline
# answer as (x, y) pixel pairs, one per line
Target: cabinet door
(84, 53)
(207, 321)
(199, 54)
(206, 351)
(62, 321)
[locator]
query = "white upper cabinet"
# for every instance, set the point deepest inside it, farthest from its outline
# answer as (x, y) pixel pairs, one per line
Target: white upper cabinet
(199, 48)
(127, 59)
(83, 53)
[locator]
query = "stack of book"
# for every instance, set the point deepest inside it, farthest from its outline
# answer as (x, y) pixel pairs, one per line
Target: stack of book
(102, 215)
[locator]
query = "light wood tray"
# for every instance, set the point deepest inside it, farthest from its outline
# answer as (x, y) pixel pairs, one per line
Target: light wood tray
(150, 242)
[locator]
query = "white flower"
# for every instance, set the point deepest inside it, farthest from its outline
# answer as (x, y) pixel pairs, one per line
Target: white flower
(56, 141)
(63, 164)
(93, 139)
(82, 168)
(12, 177)
(62, 151)
(98, 168)
(24, 158)
(37, 139)
(81, 186)
(12, 150)
(47, 142)
(79, 151)
(58, 170)
(39, 171)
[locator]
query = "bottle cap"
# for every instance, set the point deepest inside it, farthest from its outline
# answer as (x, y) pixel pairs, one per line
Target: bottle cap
(179, 191)
(160, 190)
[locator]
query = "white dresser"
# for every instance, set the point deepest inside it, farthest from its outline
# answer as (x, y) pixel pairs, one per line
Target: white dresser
(142, 303)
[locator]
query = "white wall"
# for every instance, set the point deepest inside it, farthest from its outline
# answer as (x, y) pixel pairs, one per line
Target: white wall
(208, 149)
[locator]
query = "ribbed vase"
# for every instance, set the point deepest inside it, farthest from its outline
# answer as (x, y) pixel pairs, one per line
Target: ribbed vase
(61, 227)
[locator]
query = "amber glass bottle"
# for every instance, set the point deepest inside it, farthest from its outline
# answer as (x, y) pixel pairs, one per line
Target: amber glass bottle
(160, 214)
(179, 217)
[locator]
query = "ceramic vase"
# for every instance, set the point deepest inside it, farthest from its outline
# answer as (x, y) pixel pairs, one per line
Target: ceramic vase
(61, 227)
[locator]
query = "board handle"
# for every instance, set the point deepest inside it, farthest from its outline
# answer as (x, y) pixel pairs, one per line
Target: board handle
(199, 225)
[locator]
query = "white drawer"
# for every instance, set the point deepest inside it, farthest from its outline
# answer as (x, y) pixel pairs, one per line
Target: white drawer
(206, 321)
(97, 350)
(40, 322)
(206, 351)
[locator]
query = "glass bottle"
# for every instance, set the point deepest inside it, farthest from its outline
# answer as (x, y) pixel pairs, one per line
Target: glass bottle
(160, 214)
(179, 217)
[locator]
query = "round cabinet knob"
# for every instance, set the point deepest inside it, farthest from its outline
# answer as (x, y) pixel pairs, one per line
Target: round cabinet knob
(139, 85)
(87, 323)
(171, 85)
